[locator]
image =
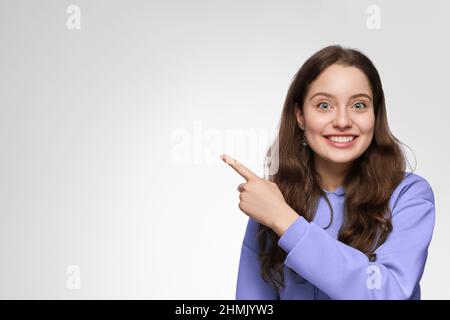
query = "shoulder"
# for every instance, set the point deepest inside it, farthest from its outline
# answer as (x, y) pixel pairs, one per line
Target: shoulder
(250, 237)
(251, 240)
(413, 187)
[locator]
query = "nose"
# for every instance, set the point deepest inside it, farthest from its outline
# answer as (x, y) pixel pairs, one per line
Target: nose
(342, 119)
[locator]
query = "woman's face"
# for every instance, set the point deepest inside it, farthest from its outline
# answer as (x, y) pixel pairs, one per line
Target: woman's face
(338, 102)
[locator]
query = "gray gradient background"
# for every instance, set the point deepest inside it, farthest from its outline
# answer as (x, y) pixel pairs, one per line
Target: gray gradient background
(87, 174)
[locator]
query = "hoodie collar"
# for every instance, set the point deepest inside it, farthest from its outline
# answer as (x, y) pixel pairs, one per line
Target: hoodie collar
(338, 192)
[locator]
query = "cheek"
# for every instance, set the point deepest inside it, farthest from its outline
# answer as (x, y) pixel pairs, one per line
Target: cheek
(367, 124)
(367, 135)
(317, 125)
(368, 131)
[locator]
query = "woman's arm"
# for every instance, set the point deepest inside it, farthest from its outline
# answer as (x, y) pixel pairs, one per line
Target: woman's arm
(343, 272)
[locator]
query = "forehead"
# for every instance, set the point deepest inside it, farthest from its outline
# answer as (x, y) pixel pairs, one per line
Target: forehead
(341, 81)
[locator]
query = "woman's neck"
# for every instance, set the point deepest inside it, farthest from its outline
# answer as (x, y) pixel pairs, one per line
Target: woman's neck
(332, 174)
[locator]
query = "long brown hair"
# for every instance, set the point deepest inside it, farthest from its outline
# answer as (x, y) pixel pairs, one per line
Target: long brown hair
(368, 185)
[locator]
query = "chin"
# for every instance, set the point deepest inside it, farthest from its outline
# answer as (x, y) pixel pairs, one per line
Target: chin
(342, 161)
(340, 157)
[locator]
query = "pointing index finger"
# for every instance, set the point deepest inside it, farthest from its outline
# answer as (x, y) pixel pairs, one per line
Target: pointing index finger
(246, 173)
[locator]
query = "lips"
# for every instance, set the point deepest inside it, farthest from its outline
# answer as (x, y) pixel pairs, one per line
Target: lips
(346, 138)
(341, 135)
(341, 144)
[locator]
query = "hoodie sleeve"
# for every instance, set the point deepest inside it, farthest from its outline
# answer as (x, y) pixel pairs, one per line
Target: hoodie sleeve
(343, 272)
(250, 284)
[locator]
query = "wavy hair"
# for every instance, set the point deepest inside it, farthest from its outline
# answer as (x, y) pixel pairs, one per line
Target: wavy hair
(368, 186)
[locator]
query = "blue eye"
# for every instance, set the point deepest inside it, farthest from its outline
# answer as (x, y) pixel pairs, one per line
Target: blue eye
(322, 104)
(361, 104)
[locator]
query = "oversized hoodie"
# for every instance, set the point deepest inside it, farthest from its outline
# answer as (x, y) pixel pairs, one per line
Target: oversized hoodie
(318, 266)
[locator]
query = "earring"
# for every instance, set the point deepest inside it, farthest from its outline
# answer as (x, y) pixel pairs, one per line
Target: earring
(304, 143)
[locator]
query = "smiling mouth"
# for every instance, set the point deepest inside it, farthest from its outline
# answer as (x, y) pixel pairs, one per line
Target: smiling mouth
(341, 139)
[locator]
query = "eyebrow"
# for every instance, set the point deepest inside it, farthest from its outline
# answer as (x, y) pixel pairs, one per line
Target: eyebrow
(331, 96)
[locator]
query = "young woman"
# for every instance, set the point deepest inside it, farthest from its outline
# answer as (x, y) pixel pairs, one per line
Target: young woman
(340, 218)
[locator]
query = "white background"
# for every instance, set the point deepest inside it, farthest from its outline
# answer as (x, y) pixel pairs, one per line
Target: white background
(91, 121)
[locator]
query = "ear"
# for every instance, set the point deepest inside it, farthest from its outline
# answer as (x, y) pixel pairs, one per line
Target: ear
(299, 116)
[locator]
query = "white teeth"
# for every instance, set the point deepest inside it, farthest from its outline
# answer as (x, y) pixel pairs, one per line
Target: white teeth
(341, 139)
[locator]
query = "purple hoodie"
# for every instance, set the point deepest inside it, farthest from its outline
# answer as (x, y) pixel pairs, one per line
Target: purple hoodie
(318, 266)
